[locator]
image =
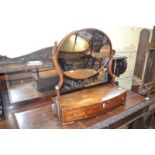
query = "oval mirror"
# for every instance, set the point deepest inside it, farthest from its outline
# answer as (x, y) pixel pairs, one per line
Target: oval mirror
(84, 53)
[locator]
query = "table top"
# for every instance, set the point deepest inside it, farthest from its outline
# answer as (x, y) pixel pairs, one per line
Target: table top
(44, 118)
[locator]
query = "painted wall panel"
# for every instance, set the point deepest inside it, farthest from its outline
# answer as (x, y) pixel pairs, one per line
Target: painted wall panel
(125, 38)
(125, 41)
(126, 82)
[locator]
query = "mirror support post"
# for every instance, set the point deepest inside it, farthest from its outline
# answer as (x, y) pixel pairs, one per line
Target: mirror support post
(110, 67)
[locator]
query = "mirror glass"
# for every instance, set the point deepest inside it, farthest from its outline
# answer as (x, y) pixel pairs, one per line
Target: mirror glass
(83, 53)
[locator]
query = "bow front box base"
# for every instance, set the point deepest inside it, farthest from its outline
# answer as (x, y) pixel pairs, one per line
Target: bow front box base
(88, 103)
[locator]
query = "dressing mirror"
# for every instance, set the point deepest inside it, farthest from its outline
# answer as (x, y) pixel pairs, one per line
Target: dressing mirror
(84, 60)
(84, 57)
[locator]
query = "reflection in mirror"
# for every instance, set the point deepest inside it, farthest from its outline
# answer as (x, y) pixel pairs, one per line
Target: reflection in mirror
(84, 55)
(74, 44)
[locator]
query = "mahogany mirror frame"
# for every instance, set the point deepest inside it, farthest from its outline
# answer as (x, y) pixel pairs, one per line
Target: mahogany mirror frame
(61, 73)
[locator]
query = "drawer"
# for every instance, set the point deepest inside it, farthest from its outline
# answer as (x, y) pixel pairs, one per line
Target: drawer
(116, 101)
(72, 115)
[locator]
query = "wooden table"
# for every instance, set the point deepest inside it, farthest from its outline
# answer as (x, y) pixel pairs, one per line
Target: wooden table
(39, 115)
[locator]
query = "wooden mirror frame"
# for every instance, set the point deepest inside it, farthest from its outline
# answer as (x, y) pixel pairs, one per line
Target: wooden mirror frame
(61, 73)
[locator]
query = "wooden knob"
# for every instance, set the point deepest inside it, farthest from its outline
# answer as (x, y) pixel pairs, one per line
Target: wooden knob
(104, 105)
(75, 114)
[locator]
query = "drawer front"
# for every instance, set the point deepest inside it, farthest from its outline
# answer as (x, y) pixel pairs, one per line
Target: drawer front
(116, 101)
(72, 115)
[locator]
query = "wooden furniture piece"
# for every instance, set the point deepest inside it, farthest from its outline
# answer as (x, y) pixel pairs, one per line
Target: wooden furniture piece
(141, 53)
(144, 75)
(16, 77)
(83, 60)
(30, 80)
(18, 86)
(150, 67)
(38, 115)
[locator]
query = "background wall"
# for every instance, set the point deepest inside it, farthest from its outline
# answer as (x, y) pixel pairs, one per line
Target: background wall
(125, 41)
